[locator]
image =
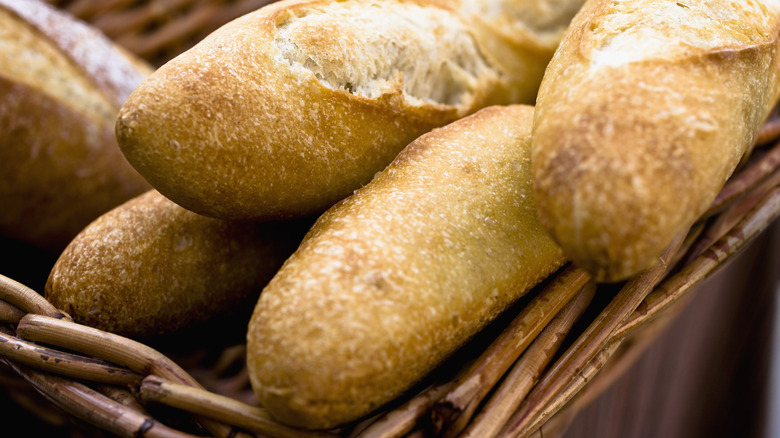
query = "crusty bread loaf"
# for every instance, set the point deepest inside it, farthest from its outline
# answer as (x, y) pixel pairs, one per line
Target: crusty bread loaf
(290, 108)
(392, 280)
(644, 112)
(521, 36)
(61, 86)
(149, 268)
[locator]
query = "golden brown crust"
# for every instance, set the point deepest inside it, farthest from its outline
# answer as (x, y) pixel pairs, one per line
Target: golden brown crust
(290, 108)
(60, 168)
(62, 84)
(640, 122)
(392, 280)
(150, 268)
(111, 70)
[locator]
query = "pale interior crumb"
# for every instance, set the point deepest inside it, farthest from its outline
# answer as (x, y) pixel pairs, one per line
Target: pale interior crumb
(546, 20)
(367, 50)
(631, 30)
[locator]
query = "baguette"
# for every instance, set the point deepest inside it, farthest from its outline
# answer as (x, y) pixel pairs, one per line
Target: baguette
(149, 269)
(62, 84)
(392, 280)
(520, 35)
(288, 109)
(645, 110)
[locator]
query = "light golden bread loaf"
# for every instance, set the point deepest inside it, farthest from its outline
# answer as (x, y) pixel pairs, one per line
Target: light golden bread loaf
(149, 268)
(288, 109)
(521, 36)
(644, 112)
(392, 280)
(61, 86)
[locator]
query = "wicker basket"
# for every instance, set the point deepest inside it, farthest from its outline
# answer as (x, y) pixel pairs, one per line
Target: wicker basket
(545, 360)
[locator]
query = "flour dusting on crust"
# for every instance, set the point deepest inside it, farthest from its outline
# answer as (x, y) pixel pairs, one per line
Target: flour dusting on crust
(89, 49)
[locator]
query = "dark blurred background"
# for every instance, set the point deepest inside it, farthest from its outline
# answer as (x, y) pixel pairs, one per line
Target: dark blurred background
(709, 373)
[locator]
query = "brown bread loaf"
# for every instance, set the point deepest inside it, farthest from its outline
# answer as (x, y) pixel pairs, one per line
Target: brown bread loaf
(61, 86)
(392, 280)
(150, 269)
(644, 112)
(288, 109)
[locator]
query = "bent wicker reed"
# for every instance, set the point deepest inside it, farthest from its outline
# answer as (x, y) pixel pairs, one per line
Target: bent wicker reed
(538, 368)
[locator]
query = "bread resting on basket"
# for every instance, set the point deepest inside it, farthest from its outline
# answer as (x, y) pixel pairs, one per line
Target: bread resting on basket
(291, 108)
